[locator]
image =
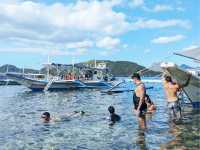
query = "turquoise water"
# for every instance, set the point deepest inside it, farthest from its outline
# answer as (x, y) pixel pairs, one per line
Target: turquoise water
(21, 127)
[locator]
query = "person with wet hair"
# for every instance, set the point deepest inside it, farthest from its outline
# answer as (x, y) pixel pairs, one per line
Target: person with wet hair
(46, 117)
(113, 116)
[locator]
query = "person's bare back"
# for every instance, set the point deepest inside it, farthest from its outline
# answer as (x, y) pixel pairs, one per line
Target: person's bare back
(171, 90)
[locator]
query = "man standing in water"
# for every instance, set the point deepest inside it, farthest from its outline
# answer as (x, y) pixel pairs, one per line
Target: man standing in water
(171, 90)
(140, 106)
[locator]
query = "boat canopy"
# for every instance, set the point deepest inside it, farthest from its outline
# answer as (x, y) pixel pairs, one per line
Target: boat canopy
(190, 53)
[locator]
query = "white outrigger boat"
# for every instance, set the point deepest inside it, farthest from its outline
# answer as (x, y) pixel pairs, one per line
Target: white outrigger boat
(44, 85)
(42, 82)
(192, 90)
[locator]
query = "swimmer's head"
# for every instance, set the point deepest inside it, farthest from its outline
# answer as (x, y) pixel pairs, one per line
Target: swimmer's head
(46, 116)
(80, 112)
(111, 109)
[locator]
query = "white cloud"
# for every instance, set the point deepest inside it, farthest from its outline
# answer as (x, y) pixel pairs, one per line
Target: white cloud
(47, 51)
(159, 8)
(136, 3)
(180, 9)
(30, 25)
(108, 43)
(153, 23)
(109, 52)
(162, 8)
(190, 47)
(168, 39)
(63, 24)
(82, 44)
(147, 51)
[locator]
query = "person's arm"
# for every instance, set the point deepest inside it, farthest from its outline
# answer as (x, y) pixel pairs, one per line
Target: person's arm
(142, 96)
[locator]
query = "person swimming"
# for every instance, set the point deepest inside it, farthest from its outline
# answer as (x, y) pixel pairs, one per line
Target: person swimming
(113, 116)
(46, 117)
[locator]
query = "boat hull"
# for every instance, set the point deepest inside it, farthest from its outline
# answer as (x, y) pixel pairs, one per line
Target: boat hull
(192, 90)
(38, 85)
(97, 84)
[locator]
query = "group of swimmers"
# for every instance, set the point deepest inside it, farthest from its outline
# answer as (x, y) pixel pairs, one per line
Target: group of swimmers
(142, 104)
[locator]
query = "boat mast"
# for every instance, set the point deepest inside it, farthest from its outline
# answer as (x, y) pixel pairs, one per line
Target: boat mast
(73, 67)
(48, 69)
(7, 68)
(95, 63)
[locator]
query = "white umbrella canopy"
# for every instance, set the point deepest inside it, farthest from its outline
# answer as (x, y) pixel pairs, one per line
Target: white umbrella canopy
(193, 53)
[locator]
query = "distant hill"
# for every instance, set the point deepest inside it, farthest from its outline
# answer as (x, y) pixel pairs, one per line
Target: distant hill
(122, 68)
(12, 68)
(117, 68)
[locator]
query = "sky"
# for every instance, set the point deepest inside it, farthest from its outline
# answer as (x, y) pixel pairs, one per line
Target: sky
(141, 31)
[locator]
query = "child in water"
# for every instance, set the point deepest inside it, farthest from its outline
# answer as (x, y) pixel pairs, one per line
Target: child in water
(113, 117)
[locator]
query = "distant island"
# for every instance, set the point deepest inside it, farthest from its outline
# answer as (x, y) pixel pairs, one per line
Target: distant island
(117, 68)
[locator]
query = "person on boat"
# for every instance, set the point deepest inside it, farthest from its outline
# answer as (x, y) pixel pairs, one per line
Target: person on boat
(113, 116)
(140, 106)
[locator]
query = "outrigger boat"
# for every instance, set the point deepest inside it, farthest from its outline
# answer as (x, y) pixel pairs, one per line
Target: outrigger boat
(192, 90)
(44, 85)
(59, 82)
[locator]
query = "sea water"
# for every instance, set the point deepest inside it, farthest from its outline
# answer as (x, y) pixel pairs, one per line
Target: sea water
(22, 128)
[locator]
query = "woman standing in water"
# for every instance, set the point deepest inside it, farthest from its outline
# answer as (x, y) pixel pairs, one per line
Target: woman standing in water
(140, 106)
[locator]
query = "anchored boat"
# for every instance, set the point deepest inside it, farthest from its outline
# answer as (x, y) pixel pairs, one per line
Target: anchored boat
(40, 85)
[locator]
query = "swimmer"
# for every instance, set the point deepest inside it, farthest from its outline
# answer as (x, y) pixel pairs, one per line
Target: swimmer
(113, 117)
(46, 117)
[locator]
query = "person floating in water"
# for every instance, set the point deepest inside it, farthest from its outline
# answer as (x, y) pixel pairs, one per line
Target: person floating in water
(46, 117)
(140, 106)
(171, 91)
(113, 116)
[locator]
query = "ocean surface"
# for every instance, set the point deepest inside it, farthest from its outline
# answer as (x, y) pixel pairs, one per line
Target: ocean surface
(21, 126)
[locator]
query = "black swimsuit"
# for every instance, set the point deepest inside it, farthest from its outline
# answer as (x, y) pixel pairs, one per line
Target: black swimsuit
(136, 101)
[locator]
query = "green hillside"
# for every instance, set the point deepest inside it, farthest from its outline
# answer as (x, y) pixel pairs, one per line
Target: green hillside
(117, 68)
(122, 68)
